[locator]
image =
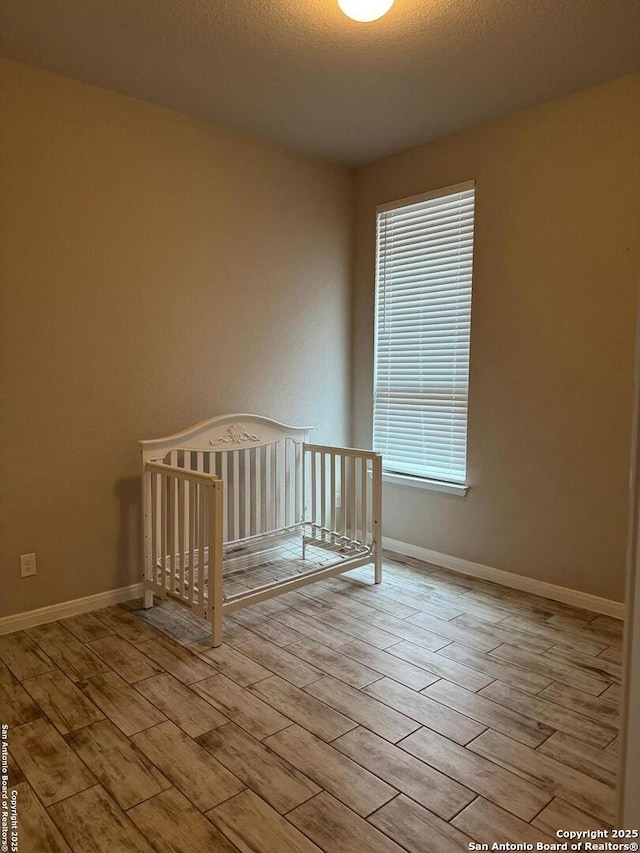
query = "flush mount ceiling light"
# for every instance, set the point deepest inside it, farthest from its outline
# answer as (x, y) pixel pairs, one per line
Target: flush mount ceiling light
(365, 10)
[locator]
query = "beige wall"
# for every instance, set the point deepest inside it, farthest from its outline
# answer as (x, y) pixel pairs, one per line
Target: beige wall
(157, 270)
(555, 277)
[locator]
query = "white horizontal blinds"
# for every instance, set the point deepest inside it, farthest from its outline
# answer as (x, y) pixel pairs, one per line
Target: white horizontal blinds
(423, 317)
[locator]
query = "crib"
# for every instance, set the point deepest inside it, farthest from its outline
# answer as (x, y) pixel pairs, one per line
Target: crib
(241, 508)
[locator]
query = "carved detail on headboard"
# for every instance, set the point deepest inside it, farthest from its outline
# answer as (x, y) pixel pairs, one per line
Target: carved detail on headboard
(236, 434)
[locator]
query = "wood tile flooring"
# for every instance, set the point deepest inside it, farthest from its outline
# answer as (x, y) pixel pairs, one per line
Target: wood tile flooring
(417, 715)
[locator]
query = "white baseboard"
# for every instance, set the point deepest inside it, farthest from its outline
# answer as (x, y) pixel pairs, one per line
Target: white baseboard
(574, 597)
(476, 570)
(20, 621)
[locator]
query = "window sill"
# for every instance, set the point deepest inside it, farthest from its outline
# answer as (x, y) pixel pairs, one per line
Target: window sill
(428, 485)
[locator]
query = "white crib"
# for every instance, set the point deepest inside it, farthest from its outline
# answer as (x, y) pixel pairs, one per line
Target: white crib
(240, 508)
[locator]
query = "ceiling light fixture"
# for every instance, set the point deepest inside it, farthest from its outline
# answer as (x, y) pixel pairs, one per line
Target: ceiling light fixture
(365, 10)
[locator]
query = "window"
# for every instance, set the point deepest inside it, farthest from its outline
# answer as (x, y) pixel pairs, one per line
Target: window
(423, 321)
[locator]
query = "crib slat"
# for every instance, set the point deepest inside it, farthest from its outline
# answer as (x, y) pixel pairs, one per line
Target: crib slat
(258, 499)
(343, 495)
(299, 486)
(172, 533)
(236, 495)
(284, 491)
(363, 501)
(314, 461)
(268, 499)
(154, 525)
(333, 494)
(199, 467)
(323, 492)
(166, 509)
(287, 484)
(163, 530)
(352, 528)
(225, 514)
(196, 525)
(181, 548)
(164, 533)
(246, 530)
(201, 541)
(277, 485)
(187, 464)
(191, 543)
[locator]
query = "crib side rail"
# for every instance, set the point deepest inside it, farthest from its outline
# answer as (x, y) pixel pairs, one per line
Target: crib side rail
(183, 535)
(343, 490)
(346, 451)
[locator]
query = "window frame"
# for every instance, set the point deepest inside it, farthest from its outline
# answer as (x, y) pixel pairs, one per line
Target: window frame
(391, 475)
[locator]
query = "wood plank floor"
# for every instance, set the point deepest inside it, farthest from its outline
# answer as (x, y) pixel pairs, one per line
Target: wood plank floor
(417, 715)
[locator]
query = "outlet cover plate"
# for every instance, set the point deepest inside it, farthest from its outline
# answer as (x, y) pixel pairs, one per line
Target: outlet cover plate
(27, 565)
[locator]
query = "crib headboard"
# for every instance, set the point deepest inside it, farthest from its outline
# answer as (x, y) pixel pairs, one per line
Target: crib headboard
(226, 432)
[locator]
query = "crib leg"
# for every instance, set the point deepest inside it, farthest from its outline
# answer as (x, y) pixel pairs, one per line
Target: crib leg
(147, 598)
(377, 515)
(216, 627)
(216, 559)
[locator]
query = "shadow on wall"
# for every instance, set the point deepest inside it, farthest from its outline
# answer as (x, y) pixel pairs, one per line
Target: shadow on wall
(129, 551)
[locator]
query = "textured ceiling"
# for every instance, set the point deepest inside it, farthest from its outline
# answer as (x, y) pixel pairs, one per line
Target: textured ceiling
(300, 73)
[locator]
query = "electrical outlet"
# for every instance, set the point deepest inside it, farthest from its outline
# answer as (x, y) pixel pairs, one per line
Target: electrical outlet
(27, 565)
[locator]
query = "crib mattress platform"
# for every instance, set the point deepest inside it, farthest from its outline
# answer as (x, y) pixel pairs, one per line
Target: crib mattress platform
(273, 557)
